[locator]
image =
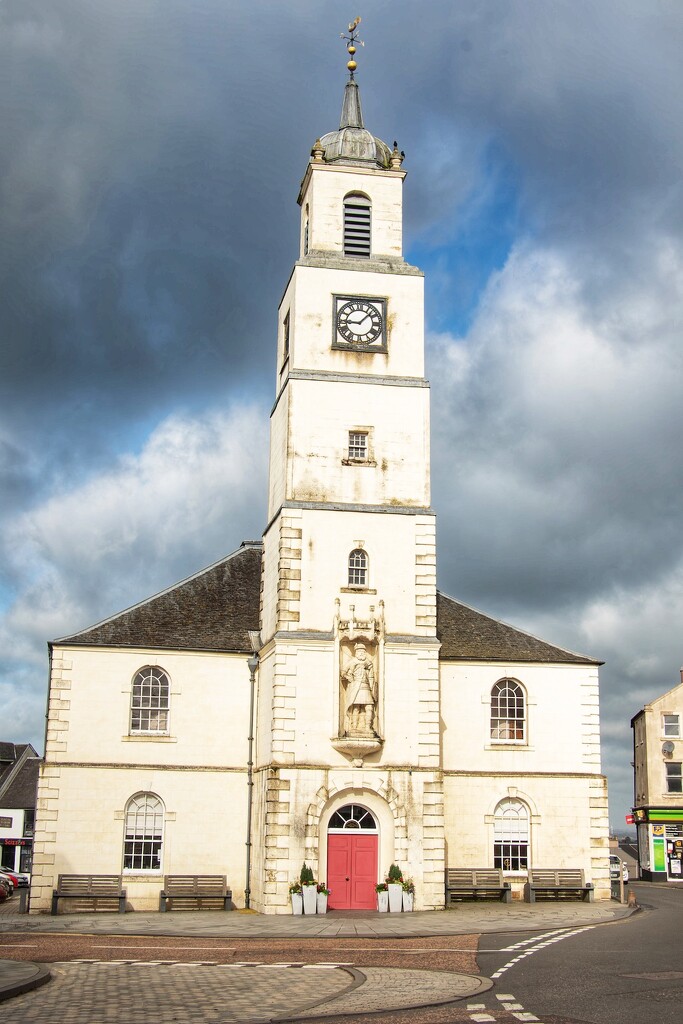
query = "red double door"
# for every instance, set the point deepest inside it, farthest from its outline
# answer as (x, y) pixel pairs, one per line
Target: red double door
(352, 871)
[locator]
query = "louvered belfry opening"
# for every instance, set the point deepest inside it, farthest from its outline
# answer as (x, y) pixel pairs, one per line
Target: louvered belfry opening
(357, 226)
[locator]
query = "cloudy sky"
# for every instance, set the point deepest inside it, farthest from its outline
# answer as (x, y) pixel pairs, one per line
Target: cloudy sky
(151, 158)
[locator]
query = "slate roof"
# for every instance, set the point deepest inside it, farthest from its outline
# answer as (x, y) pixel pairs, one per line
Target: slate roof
(469, 635)
(214, 609)
(211, 611)
(21, 790)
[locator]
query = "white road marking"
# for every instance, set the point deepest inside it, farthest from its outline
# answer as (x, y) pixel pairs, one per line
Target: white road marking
(538, 945)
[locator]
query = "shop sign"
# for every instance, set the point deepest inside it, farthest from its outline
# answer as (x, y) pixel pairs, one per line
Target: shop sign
(16, 842)
(630, 820)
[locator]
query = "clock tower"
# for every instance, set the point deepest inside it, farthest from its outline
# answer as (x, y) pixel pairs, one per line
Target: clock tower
(347, 764)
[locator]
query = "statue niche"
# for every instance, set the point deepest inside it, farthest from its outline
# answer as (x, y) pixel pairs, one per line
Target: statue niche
(360, 645)
(359, 684)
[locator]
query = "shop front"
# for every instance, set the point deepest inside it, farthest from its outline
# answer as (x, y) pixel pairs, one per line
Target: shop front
(660, 843)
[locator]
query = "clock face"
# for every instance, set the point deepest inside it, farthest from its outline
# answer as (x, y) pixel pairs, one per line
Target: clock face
(360, 321)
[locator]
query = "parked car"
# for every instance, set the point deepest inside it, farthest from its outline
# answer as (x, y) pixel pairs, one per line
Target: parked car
(616, 865)
(7, 883)
(19, 879)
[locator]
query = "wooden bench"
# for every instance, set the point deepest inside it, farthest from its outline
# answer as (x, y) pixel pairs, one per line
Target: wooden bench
(92, 889)
(196, 889)
(476, 883)
(557, 883)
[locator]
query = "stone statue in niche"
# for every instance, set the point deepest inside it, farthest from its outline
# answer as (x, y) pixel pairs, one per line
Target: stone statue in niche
(360, 689)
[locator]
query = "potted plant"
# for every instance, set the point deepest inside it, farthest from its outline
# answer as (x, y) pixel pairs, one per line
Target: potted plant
(408, 894)
(395, 886)
(309, 889)
(382, 891)
(321, 900)
(297, 898)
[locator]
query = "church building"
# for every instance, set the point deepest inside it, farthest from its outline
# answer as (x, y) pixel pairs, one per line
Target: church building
(312, 697)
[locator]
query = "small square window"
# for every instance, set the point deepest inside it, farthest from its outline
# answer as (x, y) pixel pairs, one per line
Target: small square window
(671, 726)
(358, 445)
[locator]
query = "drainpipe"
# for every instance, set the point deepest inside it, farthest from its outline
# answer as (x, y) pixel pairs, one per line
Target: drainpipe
(252, 665)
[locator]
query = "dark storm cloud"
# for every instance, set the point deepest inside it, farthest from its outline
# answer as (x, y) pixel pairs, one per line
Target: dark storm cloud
(150, 163)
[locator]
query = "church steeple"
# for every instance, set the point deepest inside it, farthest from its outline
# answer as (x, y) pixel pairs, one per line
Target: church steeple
(351, 115)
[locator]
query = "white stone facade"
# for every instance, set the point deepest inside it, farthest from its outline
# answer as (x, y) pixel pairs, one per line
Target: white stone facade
(364, 696)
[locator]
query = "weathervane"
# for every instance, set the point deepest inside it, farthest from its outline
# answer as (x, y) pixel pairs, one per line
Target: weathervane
(351, 41)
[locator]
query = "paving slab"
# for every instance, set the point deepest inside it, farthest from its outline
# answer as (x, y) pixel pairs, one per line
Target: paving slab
(465, 919)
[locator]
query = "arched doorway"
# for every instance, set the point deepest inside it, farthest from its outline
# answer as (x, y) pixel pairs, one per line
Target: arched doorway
(352, 839)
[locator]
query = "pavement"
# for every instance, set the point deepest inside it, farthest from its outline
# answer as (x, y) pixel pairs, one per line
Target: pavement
(262, 993)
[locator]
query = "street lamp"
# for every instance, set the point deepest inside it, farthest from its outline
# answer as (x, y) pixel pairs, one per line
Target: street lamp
(252, 665)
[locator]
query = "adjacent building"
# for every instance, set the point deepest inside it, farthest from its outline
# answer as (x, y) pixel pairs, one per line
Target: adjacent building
(658, 786)
(313, 697)
(19, 764)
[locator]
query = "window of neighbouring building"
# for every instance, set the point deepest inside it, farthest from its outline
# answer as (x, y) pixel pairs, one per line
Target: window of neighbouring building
(508, 712)
(144, 833)
(150, 701)
(511, 836)
(671, 725)
(674, 778)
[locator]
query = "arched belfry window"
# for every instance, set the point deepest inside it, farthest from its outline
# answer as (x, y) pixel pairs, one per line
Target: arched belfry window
(352, 817)
(508, 712)
(357, 225)
(511, 836)
(358, 568)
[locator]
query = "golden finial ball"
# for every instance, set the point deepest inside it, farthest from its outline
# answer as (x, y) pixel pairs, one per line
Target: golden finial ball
(352, 65)
(351, 49)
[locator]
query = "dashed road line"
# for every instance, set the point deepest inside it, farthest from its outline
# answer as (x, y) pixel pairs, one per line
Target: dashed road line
(507, 1003)
(535, 948)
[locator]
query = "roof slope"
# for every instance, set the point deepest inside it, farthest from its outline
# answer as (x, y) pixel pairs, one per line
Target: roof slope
(469, 635)
(21, 790)
(211, 611)
(215, 609)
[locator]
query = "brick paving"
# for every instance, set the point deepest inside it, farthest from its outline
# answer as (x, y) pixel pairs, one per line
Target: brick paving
(157, 994)
(391, 990)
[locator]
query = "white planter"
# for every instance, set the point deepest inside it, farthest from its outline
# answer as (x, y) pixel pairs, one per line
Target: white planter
(383, 901)
(408, 901)
(310, 898)
(395, 898)
(297, 903)
(321, 903)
